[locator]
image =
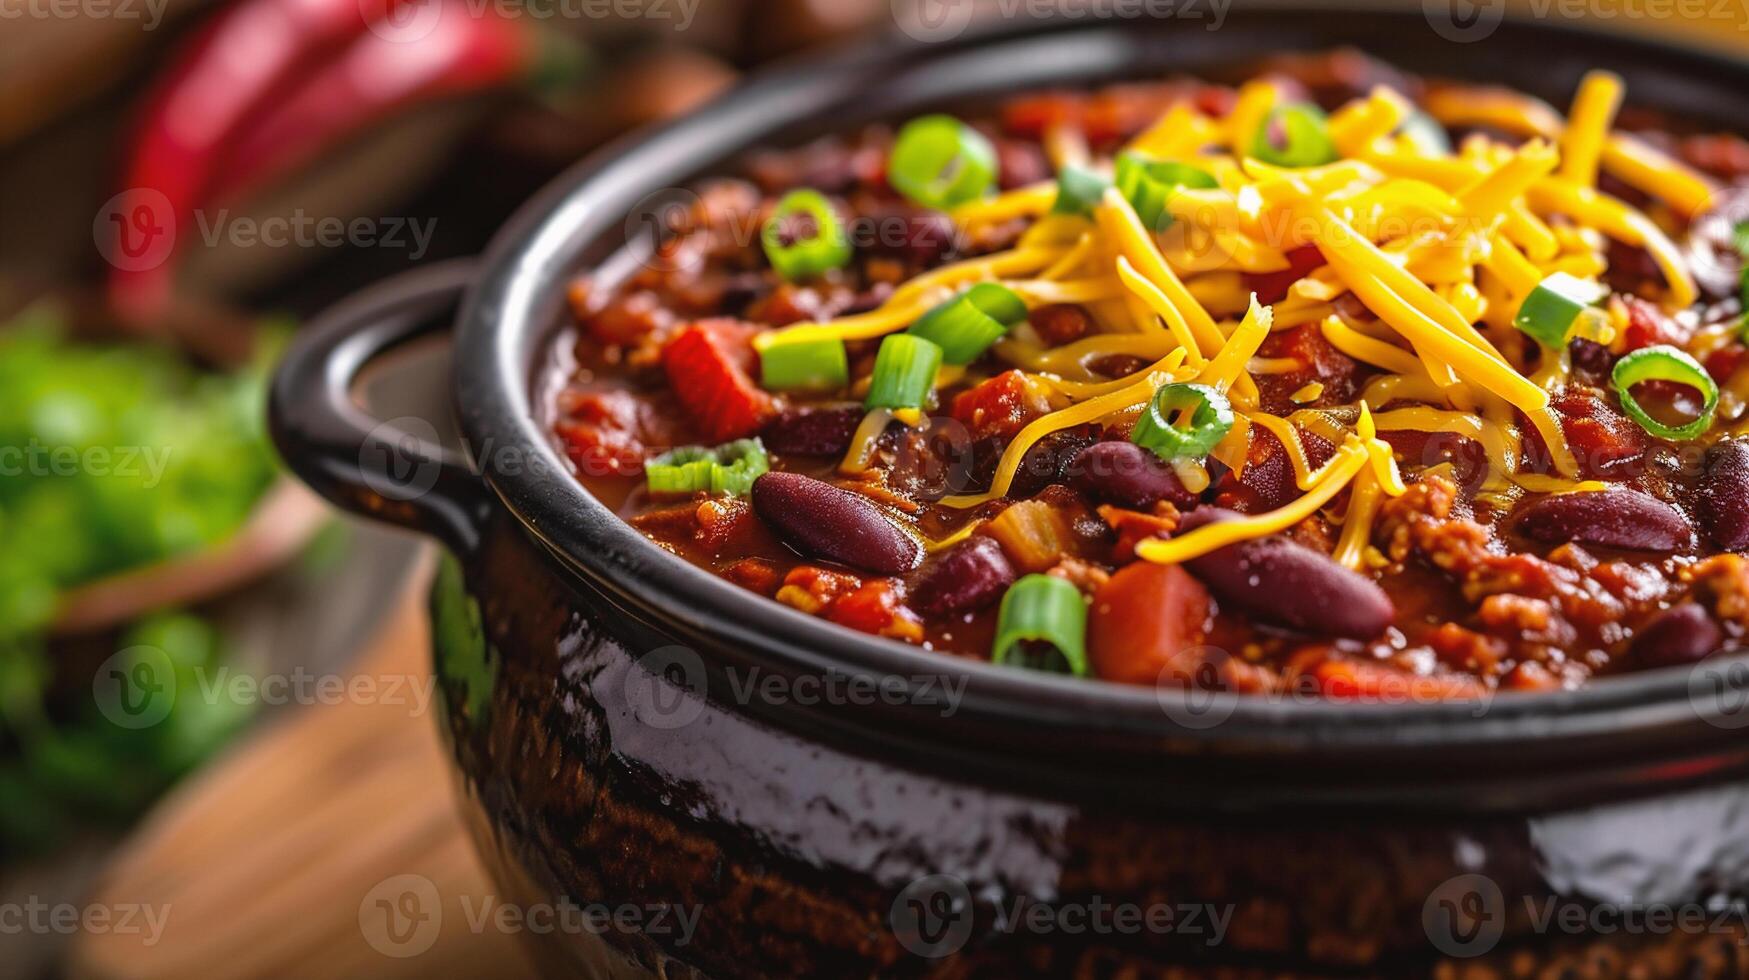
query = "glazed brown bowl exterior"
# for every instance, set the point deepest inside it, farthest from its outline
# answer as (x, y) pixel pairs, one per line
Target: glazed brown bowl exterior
(759, 793)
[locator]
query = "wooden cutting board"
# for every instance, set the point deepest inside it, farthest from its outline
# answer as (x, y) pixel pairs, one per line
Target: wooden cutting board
(287, 857)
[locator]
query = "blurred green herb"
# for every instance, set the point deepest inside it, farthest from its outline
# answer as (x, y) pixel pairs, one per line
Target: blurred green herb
(112, 456)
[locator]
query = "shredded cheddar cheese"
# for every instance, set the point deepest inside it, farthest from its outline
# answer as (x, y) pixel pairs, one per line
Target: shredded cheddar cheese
(1422, 260)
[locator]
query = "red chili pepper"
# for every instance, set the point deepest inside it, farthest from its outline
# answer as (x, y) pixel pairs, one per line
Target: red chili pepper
(271, 83)
(248, 56)
(378, 76)
(708, 366)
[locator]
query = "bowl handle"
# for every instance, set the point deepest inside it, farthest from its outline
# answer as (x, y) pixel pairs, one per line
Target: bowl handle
(393, 471)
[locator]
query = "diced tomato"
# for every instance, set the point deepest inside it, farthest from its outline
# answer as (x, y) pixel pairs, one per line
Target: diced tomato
(1354, 680)
(1419, 449)
(1319, 361)
(628, 320)
(709, 366)
(877, 608)
(1271, 287)
(1725, 361)
(1605, 442)
(1648, 325)
(728, 526)
(1147, 625)
(605, 431)
(1003, 405)
(1267, 481)
(1032, 116)
(756, 574)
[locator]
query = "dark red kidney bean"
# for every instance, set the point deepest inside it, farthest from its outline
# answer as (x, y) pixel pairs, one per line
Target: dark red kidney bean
(1724, 494)
(812, 431)
(825, 521)
(1677, 637)
(1615, 518)
(1287, 584)
(968, 576)
(1125, 474)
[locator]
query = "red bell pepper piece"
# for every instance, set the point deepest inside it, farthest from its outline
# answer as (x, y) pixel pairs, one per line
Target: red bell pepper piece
(709, 365)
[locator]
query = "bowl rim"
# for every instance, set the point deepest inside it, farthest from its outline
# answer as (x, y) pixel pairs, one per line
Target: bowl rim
(508, 319)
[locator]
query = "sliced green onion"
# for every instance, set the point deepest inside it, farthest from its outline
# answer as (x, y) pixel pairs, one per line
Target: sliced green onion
(1211, 418)
(1147, 184)
(805, 365)
(1553, 308)
(827, 247)
(1304, 137)
(728, 469)
(939, 162)
(964, 327)
(1043, 609)
(1425, 134)
(1664, 363)
(1079, 190)
(904, 372)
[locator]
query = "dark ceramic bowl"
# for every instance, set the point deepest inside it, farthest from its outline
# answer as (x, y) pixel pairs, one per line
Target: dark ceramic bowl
(637, 733)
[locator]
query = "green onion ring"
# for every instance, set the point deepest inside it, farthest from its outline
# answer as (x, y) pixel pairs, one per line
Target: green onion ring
(827, 248)
(1664, 363)
(1307, 140)
(938, 162)
(727, 469)
(1211, 419)
(1045, 609)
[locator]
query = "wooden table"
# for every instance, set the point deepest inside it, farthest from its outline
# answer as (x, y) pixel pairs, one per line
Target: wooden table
(287, 857)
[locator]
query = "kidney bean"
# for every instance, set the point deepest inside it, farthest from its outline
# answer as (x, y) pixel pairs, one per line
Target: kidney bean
(1677, 637)
(1615, 518)
(1288, 584)
(1128, 475)
(819, 519)
(1724, 494)
(968, 576)
(812, 431)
